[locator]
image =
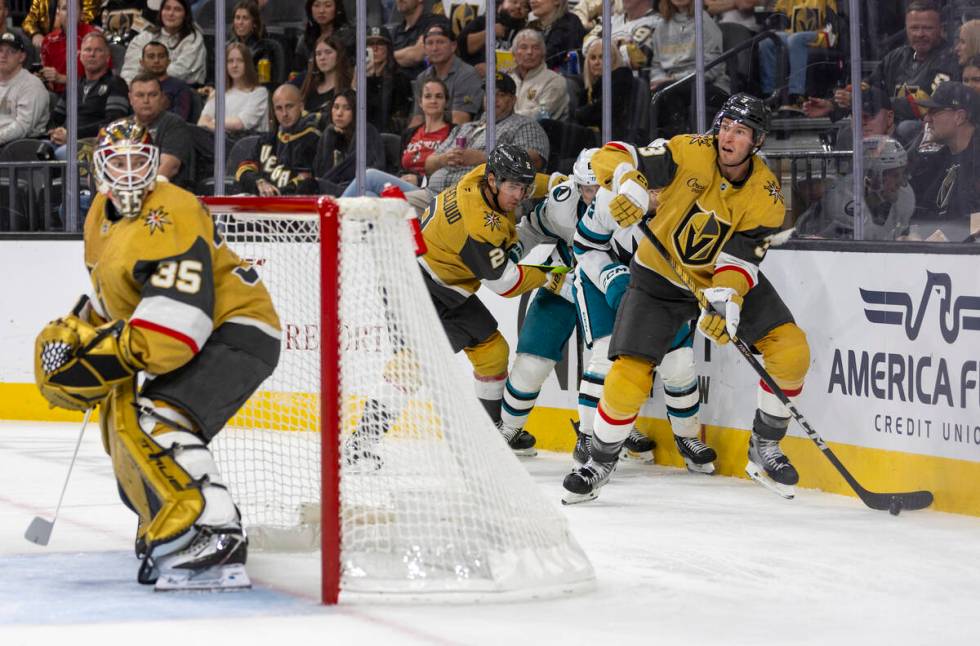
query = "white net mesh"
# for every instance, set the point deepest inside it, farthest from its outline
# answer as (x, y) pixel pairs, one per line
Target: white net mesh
(432, 499)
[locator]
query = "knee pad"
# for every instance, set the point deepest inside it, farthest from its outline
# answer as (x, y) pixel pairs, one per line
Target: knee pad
(627, 386)
(681, 394)
(489, 358)
(786, 356)
(677, 369)
(529, 372)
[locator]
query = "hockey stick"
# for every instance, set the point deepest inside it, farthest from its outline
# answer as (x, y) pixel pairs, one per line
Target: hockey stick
(894, 502)
(39, 531)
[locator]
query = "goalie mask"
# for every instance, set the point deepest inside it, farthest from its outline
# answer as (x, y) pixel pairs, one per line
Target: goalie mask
(126, 164)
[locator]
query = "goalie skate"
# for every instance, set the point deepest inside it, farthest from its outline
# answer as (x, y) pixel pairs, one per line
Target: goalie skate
(214, 560)
(638, 447)
(769, 467)
(698, 456)
(583, 483)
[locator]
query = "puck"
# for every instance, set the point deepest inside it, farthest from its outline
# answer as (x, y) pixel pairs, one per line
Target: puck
(895, 507)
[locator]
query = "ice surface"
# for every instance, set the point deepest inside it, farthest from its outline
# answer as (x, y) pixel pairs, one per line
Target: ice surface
(681, 558)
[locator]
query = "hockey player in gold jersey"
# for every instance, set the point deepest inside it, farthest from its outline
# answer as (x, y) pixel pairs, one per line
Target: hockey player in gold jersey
(717, 207)
(170, 301)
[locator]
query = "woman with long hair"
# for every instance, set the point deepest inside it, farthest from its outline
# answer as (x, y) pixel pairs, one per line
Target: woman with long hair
(334, 162)
(323, 18)
(328, 72)
(967, 41)
(563, 31)
(246, 102)
(589, 115)
(247, 28)
(420, 142)
(174, 28)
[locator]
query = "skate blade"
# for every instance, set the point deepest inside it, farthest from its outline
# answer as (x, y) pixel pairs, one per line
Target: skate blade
(222, 577)
(525, 453)
(708, 468)
(643, 457)
(570, 498)
(757, 474)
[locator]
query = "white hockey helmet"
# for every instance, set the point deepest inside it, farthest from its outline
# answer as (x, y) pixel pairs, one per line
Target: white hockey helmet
(881, 153)
(582, 171)
(126, 163)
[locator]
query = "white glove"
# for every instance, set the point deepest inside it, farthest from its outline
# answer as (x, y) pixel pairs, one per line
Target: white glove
(720, 322)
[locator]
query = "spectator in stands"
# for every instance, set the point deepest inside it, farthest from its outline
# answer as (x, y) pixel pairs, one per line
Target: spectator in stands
(246, 102)
(170, 133)
(511, 18)
(156, 61)
(589, 114)
(952, 194)
(408, 36)
(24, 107)
(673, 57)
(915, 70)
(54, 49)
(324, 18)
(589, 12)
(28, 47)
(174, 28)
(281, 163)
(541, 93)
(247, 28)
(420, 142)
(465, 86)
(328, 72)
(40, 18)
(335, 158)
(877, 118)
(738, 16)
(389, 91)
(102, 96)
(563, 31)
(465, 148)
(808, 24)
(632, 31)
(967, 41)
(123, 19)
(971, 73)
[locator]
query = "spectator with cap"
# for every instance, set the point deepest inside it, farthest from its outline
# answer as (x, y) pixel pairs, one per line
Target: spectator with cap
(465, 86)
(23, 97)
(541, 93)
(466, 146)
(389, 91)
(563, 31)
(877, 118)
(511, 18)
(102, 96)
(407, 36)
(28, 47)
(156, 61)
(952, 194)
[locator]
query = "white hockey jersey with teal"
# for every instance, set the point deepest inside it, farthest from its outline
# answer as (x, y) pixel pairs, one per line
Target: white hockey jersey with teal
(554, 220)
(602, 249)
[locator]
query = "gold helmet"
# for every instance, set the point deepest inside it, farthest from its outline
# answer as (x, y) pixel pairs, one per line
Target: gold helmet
(126, 163)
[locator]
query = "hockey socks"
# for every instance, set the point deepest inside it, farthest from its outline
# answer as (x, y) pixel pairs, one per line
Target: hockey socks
(519, 396)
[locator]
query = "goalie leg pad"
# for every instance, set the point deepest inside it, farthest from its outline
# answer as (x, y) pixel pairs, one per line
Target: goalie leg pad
(166, 496)
(523, 387)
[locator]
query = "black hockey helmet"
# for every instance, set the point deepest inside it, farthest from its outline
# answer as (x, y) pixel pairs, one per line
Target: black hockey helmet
(746, 109)
(509, 162)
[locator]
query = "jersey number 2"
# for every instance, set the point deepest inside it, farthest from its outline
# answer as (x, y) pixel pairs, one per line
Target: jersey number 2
(184, 275)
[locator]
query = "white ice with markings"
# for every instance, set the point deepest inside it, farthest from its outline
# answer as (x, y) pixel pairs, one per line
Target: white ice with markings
(680, 558)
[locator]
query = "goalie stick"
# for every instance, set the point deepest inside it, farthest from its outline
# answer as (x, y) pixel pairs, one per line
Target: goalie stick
(874, 500)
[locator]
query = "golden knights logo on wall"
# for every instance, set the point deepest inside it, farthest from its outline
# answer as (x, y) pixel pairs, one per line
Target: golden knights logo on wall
(699, 236)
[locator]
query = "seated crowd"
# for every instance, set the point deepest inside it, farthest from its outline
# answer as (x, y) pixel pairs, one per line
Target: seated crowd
(291, 92)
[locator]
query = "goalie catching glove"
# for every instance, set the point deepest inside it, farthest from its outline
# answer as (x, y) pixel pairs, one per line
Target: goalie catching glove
(76, 364)
(719, 322)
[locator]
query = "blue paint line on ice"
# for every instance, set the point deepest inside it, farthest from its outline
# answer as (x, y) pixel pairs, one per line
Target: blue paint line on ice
(101, 587)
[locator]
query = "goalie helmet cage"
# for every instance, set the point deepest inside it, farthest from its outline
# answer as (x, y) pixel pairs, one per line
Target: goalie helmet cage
(409, 491)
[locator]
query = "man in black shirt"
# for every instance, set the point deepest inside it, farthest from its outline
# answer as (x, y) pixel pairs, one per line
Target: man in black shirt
(511, 18)
(407, 36)
(170, 133)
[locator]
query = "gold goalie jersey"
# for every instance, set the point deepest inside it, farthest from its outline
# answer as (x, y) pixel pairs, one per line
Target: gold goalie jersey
(169, 274)
(719, 230)
(467, 242)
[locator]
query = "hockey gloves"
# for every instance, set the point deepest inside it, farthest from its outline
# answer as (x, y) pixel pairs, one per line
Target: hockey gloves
(632, 200)
(720, 322)
(613, 282)
(559, 285)
(77, 364)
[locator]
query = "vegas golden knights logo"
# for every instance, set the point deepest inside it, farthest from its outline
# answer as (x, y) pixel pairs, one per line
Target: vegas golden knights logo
(699, 236)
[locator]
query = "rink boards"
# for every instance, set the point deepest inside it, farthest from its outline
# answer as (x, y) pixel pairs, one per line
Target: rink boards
(894, 381)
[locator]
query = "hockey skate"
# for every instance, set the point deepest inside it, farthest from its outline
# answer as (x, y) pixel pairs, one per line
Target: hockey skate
(638, 447)
(584, 482)
(770, 467)
(580, 454)
(520, 441)
(214, 560)
(361, 452)
(698, 456)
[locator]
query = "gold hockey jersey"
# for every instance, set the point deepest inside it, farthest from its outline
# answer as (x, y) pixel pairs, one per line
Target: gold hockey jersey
(468, 241)
(719, 230)
(170, 275)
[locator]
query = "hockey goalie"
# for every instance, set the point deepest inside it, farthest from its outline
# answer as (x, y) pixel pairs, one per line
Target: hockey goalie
(177, 334)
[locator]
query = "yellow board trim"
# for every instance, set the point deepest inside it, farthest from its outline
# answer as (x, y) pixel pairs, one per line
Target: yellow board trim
(952, 481)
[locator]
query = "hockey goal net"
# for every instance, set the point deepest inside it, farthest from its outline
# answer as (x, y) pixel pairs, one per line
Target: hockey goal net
(421, 498)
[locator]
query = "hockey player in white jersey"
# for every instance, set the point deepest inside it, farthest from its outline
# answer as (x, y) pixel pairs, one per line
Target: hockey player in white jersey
(603, 252)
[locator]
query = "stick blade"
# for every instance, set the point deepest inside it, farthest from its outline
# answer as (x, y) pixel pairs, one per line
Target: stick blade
(909, 501)
(39, 531)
